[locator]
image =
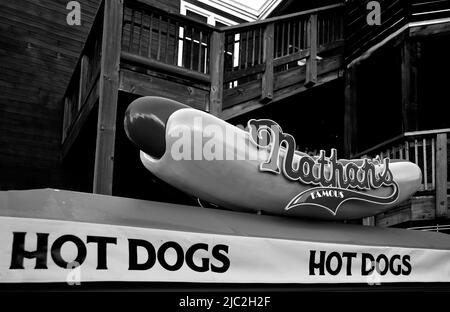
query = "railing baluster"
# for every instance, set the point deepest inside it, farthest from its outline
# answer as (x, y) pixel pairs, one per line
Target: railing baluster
(407, 150)
(140, 33)
(176, 42)
(199, 67)
(158, 54)
(441, 176)
(261, 45)
(288, 38)
(433, 164)
(246, 49)
(191, 63)
(425, 172)
(167, 38)
(150, 36)
(282, 39)
(253, 47)
(130, 45)
(416, 153)
(401, 152)
(184, 46)
(240, 51)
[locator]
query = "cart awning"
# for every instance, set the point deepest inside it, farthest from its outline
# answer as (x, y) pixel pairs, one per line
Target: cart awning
(51, 235)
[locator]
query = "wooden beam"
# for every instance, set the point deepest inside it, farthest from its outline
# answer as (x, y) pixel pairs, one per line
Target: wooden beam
(216, 69)
(350, 111)
(311, 60)
(109, 85)
(409, 85)
(441, 176)
(267, 76)
(165, 68)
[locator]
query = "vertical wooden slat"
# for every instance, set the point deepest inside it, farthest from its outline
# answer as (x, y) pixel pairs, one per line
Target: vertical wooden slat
(424, 156)
(130, 45)
(311, 63)
(407, 150)
(199, 67)
(176, 40)
(288, 49)
(369, 221)
(108, 96)
(441, 175)
(401, 152)
(240, 52)
(267, 76)
(261, 46)
(167, 39)
(216, 72)
(140, 33)
(246, 49)
(416, 153)
(253, 47)
(191, 63)
(158, 53)
(300, 35)
(150, 37)
(433, 164)
(184, 56)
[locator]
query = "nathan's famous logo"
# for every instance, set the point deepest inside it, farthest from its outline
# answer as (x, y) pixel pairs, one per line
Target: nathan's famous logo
(335, 181)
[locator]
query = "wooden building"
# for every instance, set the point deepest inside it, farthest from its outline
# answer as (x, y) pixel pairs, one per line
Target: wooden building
(318, 68)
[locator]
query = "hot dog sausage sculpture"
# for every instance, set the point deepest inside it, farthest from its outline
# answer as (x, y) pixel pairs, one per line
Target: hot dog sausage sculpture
(215, 161)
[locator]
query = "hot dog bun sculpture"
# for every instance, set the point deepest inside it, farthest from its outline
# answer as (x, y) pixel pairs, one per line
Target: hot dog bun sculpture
(215, 161)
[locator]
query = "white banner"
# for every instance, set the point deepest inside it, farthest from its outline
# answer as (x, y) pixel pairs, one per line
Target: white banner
(40, 250)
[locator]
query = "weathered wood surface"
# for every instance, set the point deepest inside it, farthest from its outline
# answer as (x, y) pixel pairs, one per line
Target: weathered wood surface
(108, 97)
(144, 84)
(39, 51)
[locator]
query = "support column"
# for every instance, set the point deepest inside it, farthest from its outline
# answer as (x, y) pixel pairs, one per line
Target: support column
(216, 72)
(109, 85)
(267, 77)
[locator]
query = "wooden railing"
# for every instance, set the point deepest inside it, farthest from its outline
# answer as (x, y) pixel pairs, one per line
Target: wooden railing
(218, 59)
(165, 37)
(427, 149)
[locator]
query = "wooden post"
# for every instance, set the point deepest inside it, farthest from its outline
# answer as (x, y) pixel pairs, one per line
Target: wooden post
(267, 76)
(109, 85)
(409, 85)
(441, 175)
(216, 69)
(350, 111)
(311, 61)
(369, 221)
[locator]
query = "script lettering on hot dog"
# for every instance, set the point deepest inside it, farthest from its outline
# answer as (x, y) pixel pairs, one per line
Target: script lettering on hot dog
(335, 181)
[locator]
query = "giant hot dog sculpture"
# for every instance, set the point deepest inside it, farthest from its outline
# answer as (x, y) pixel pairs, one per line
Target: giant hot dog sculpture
(215, 161)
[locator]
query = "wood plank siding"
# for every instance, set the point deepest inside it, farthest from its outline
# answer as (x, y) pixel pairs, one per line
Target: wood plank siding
(38, 54)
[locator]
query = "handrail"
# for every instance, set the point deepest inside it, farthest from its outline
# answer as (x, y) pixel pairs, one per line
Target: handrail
(179, 71)
(279, 18)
